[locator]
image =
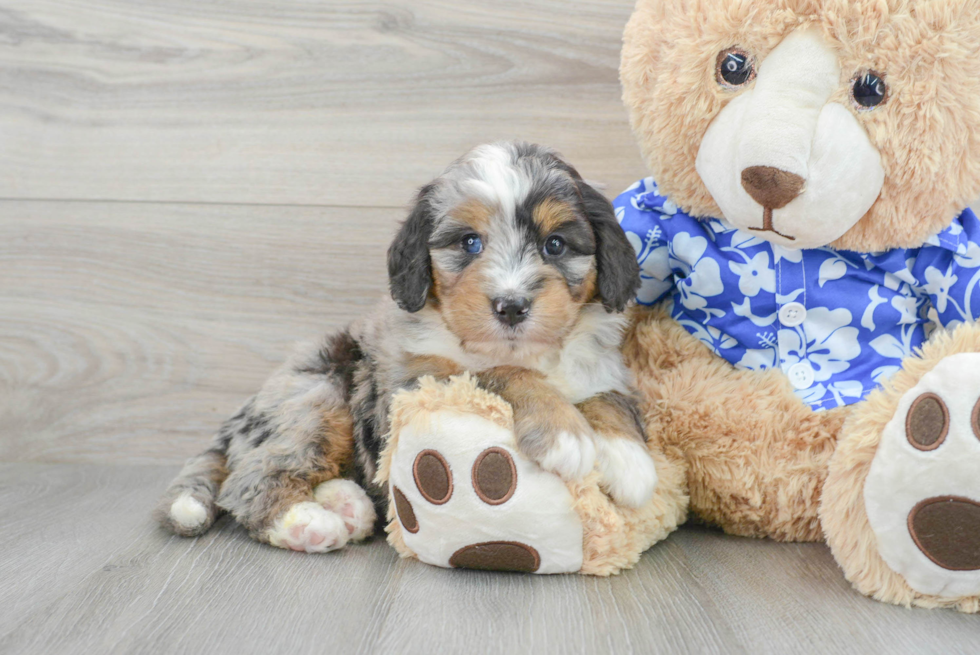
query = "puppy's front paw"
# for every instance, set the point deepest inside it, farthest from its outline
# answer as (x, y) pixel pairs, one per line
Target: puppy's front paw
(627, 472)
(308, 527)
(570, 457)
(559, 439)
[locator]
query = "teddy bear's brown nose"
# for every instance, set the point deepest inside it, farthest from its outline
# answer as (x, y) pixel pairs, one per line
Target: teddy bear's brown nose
(771, 187)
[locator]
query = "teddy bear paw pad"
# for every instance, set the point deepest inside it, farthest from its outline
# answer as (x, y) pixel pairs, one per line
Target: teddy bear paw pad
(466, 498)
(922, 493)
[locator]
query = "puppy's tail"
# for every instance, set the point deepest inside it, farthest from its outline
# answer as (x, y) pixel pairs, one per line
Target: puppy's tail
(188, 507)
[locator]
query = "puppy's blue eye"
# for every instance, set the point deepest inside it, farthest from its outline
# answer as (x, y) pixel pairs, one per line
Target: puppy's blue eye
(473, 244)
(554, 246)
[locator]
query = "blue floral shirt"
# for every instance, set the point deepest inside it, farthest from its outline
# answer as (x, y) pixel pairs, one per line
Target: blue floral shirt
(836, 322)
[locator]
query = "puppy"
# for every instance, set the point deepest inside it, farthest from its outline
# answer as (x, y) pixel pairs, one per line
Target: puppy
(510, 267)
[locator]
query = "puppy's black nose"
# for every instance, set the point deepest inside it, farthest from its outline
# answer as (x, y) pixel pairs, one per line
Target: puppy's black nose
(511, 311)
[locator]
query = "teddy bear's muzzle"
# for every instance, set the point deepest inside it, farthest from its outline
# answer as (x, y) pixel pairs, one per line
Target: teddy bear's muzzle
(786, 161)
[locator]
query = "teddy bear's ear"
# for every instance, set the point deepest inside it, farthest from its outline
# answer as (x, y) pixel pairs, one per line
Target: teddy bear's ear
(409, 264)
(618, 271)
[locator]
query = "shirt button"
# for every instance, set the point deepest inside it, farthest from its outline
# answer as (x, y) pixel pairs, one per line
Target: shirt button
(792, 314)
(801, 375)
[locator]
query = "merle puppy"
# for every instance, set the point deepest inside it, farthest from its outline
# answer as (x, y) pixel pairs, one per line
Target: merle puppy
(511, 267)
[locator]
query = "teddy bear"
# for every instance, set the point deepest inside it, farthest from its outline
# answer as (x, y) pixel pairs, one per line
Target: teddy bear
(804, 341)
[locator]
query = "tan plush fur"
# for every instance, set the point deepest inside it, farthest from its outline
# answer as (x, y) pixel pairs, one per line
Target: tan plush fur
(928, 133)
(757, 460)
(755, 455)
(613, 537)
(842, 511)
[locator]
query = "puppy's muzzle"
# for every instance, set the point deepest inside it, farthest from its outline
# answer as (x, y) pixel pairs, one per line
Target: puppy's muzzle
(511, 311)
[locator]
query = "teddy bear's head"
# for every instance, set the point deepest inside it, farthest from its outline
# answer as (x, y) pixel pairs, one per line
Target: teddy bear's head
(851, 123)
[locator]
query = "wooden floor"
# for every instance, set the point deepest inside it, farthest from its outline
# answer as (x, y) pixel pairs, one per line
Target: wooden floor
(83, 570)
(187, 187)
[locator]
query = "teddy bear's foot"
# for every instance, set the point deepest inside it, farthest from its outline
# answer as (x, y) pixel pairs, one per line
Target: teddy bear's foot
(922, 494)
(901, 506)
(347, 499)
(308, 527)
(465, 497)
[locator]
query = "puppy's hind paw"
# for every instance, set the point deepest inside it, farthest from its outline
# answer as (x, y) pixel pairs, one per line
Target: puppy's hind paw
(188, 514)
(347, 499)
(570, 457)
(627, 472)
(308, 527)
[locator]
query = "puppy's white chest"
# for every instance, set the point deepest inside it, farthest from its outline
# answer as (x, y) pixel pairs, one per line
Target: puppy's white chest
(590, 362)
(582, 374)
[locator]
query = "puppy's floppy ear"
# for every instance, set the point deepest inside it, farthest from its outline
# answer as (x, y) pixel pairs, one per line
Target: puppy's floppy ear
(618, 271)
(409, 264)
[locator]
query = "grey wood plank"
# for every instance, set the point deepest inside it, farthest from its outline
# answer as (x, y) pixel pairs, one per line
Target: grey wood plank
(59, 522)
(780, 598)
(223, 592)
(298, 101)
(557, 614)
(118, 584)
(131, 331)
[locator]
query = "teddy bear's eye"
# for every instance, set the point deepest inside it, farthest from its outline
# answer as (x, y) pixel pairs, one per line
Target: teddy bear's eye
(869, 90)
(734, 67)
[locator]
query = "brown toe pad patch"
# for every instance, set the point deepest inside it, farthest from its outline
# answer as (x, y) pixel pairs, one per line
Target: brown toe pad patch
(947, 530)
(494, 476)
(927, 423)
(404, 510)
(433, 477)
(497, 556)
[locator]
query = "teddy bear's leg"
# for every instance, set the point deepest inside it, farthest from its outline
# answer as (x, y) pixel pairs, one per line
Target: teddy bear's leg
(901, 506)
(755, 456)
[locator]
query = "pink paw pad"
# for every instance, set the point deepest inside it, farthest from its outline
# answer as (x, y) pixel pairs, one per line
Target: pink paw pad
(308, 527)
(346, 499)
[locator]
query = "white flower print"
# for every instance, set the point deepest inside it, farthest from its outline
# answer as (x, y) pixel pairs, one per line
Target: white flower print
(938, 285)
(709, 336)
(745, 311)
(655, 273)
(868, 318)
(755, 275)
(789, 254)
(907, 307)
(758, 359)
(825, 339)
(970, 257)
(701, 275)
(832, 269)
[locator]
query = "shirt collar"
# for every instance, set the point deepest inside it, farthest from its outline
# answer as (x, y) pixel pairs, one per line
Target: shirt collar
(954, 237)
